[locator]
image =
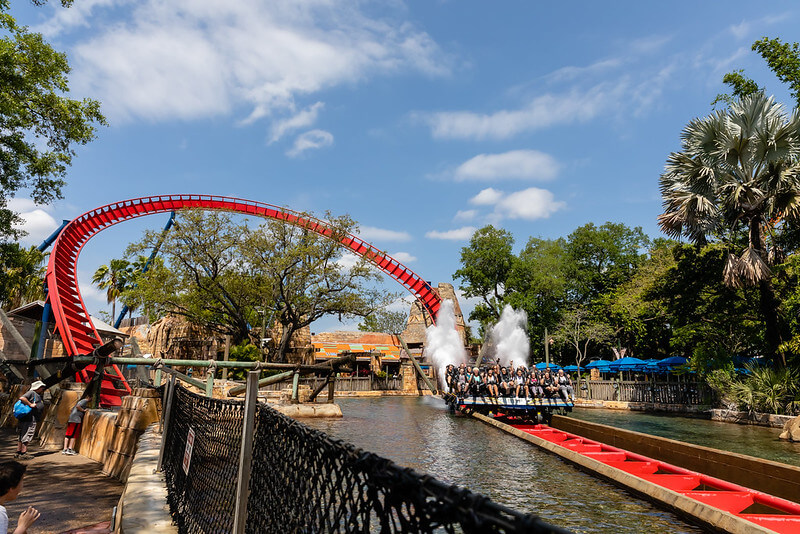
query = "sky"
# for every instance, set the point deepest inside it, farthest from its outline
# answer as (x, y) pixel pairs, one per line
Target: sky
(422, 120)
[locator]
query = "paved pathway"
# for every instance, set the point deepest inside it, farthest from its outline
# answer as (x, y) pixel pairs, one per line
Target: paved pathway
(70, 491)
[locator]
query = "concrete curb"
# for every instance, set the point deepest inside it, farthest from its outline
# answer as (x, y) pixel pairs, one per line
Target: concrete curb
(714, 518)
(143, 506)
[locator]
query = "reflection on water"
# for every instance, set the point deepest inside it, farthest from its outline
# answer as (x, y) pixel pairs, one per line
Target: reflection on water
(420, 433)
(758, 441)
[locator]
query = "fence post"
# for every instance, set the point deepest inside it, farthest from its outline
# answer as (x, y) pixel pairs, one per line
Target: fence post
(169, 394)
(246, 454)
(295, 387)
(210, 382)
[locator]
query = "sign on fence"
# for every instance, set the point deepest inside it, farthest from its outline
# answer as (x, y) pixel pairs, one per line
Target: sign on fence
(187, 452)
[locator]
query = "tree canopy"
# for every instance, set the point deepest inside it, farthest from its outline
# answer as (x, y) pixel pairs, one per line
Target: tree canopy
(227, 276)
(39, 125)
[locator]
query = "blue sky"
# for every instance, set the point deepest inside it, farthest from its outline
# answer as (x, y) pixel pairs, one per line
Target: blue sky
(422, 120)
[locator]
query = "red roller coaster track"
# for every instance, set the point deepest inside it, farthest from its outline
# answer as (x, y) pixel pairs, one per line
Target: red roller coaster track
(72, 318)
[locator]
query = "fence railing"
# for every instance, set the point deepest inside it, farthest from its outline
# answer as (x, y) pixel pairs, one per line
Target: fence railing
(348, 383)
(686, 392)
(304, 481)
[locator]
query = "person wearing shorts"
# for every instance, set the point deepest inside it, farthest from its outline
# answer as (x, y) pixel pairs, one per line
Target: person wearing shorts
(74, 425)
(26, 426)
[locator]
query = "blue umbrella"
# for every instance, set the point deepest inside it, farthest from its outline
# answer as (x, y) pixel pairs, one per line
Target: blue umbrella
(601, 365)
(651, 366)
(626, 364)
(571, 368)
(542, 366)
(674, 361)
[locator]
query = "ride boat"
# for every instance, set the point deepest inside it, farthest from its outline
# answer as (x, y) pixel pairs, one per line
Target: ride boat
(530, 409)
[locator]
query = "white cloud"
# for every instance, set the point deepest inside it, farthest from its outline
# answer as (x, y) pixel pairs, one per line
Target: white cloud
(310, 140)
(518, 164)
(348, 260)
(371, 233)
(465, 215)
(36, 220)
(403, 257)
(541, 112)
(188, 59)
(528, 204)
(487, 197)
(458, 234)
(303, 119)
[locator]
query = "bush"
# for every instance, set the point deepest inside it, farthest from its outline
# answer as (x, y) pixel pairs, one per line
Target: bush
(764, 390)
(244, 352)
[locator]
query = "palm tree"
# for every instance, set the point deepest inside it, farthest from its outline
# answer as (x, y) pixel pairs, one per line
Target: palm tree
(113, 278)
(21, 274)
(737, 172)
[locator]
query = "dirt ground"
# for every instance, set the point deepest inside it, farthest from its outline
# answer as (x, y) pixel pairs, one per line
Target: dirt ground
(70, 492)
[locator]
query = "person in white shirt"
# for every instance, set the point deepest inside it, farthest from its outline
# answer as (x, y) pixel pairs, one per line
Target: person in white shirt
(11, 475)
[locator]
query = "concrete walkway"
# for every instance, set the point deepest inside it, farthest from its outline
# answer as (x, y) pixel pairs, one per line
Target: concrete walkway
(71, 492)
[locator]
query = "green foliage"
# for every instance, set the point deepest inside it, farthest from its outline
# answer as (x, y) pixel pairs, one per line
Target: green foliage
(388, 322)
(21, 275)
(763, 390)
(601, 258)
(784, 60)
(223, 275)
(243, 352)
(486, 263)
(741, 86)
(39, 125)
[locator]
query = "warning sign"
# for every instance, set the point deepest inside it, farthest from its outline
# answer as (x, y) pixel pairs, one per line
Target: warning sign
(187, 453)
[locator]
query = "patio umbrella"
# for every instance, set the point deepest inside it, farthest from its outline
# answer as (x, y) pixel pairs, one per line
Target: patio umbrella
(601, 365)
(674, 361)
(542, 366)
(626, 364)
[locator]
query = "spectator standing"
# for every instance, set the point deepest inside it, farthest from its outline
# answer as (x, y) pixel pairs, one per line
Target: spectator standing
(26, 427)
(11, 475)
(74, 425)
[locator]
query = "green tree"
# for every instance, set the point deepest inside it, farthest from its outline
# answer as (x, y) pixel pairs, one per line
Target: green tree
(21, 275)
(579, 329)
(537, 283)
(637, 310)
(203, 276)
(599, 258)
(39, 125)
(307, 278)
(386, 321)
(114, 279)
(486, 263)
(737, 173)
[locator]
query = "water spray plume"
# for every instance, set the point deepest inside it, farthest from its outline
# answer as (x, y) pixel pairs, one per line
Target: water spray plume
(443, 345)
(510, 338)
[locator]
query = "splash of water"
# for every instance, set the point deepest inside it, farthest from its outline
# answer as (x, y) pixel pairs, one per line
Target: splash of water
(443, 344)
(509, 338)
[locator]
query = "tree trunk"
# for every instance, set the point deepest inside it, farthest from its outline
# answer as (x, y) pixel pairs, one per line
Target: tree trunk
(284, 344)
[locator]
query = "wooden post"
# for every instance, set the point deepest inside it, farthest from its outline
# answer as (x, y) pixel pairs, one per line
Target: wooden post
(157, 381)
(246, 454)
(319, 388)
(227, 354)
(168, 393)
(295, 388)
(331, 387)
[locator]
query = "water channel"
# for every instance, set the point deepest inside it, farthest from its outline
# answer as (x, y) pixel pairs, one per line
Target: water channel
(421, 433)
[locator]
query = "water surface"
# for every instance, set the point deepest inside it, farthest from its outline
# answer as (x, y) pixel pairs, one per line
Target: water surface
(420, 433)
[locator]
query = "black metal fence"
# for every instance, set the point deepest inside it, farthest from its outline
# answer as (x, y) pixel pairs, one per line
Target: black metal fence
(304, 481)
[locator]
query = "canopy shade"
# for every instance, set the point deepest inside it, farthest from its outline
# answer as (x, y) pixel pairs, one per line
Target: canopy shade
(627, 364)
(674, 361)
(571, 368)
(602, 365)
(542, 366)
